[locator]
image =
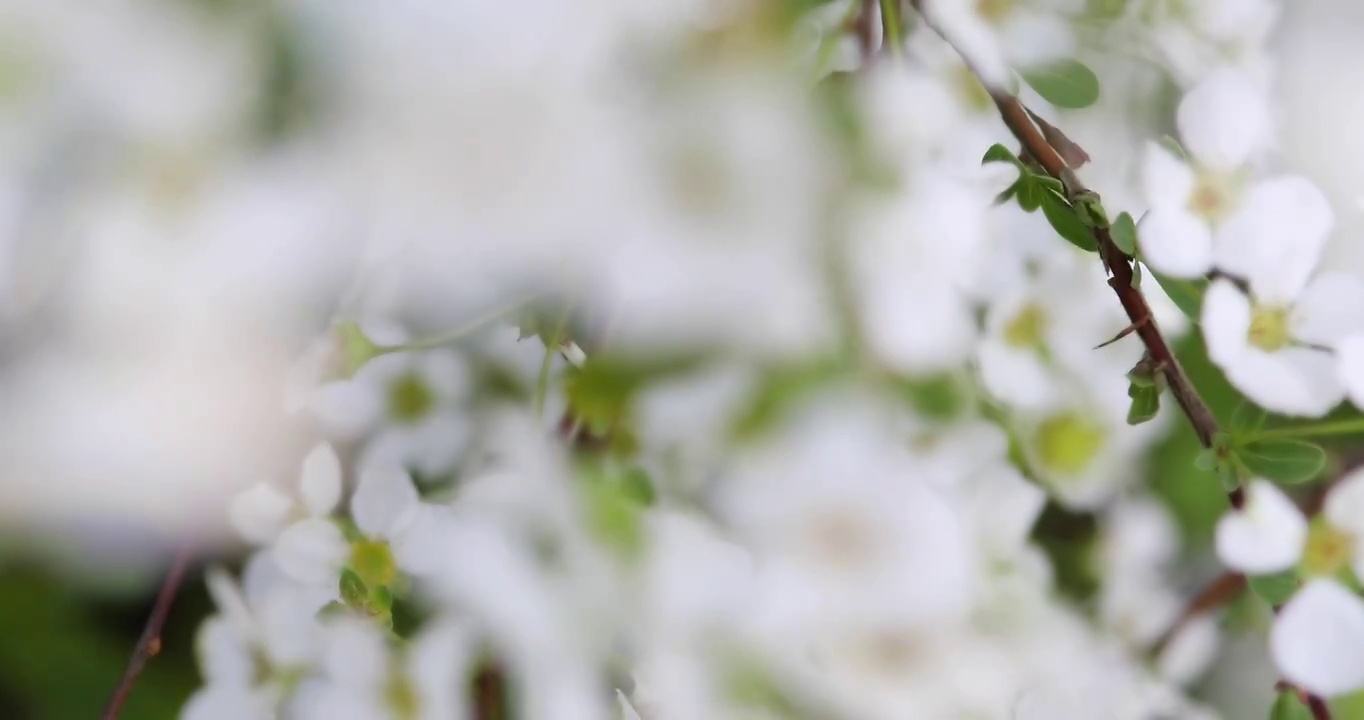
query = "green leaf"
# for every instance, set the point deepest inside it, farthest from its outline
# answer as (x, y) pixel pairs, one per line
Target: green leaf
(1287, 706)
(1063, 219)
(354, 592)
(1145, 403)
(1136, 274)
(1008, 193)
(1124, 232)
(999, 153)
(1030, 194)
(939, 398)
(1247, 420)
(1187, 295)
(1284, 461)
(1275, 589)
(1067, 83)
(638, 486)
(1169, 143)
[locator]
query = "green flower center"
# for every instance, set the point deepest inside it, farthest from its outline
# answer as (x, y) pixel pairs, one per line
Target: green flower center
(373, 561)
(1268, 328)
(409, 399)
(401, 697)
(1067, 444)
(994, 10)
(1026, 329)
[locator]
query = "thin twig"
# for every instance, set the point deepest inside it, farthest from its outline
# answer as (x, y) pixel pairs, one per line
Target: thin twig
(150, 643)
(1019, 121)
(1315, 704)
(1222, 590)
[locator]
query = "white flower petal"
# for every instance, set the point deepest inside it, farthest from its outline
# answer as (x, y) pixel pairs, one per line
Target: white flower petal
(1344, 506)
(1275, 238)
(1175, 242)
(1318, 639)
(1292, 381)
(1226, 322)
(385, 502)
(1350, 368)
(224, 654)
(321, 481)
(1190, 651)
(356, 655)
(311, 550)
(1166, 180)
(1265, 536)
(976, 40)
(1224, 121)
(259, 513)
(1329, 309)
(228, 702)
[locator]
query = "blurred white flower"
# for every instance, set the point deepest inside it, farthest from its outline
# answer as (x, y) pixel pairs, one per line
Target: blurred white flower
(1318, 639)
(1344, 508)
(261, 511)
(1266, 536)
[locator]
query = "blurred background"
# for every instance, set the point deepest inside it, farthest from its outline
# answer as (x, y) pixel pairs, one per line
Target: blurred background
(87, 526)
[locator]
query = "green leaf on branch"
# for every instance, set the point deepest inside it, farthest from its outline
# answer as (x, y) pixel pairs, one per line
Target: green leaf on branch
(1287, 706)
(1285, 461)
(998, 153)
(1124, 232)
(1067, 83)
(1247, 419)
(1187, 295)
(1030, 194)
(1066, 223)
(1145, 403)
(354, 592)
(1275, 589)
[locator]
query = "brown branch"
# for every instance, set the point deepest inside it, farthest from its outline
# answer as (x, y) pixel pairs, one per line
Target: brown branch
(1315, 704)
(1222, 590)
(1019, 121)
(150, 643)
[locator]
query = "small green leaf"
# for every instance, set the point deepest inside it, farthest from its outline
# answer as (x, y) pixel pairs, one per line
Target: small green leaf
(1247, 420)
(1067, 83)
(1187, 295)
(1145, 403)
(1124, 232)
(638, 486)
(1063, 219)
(999, 153)
(1285, 461)
(1288, 707)
(1275, 589)
(1169, 143)
(1030, 194)
(1136, 274)
(354, 593)
(1008, 193)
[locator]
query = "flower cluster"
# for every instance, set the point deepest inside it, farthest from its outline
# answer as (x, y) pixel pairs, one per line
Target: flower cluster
(683, 359)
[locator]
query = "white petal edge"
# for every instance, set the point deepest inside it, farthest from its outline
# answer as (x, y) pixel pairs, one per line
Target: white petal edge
(1266, 536)
(1330, 309)
(1226, 322)
(311, 551)
(1344, 506)
(1166, 180)
(386, 502)
(1224, 121)
(259, 513)
(1175, 242)
(1275, 238)
(1350, 368)
(1318, 639)
(320, 483)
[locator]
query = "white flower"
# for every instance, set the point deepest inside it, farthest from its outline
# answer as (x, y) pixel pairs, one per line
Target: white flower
(1275, 349)
(1344, 508)
(261, 512)
(970, 32)
(1265, 536)
(1224, 123)
(412, 399)
(1318, 639)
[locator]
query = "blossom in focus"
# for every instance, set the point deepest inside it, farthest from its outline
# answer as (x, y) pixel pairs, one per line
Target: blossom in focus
(1265, 536)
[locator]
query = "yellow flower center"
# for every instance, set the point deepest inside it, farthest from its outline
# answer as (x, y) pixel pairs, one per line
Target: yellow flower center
(1026, 328)
(373, 561)
(1066, 444)
(1328, 550)
(994, 10)
(1213, 197)
(1268, 328)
